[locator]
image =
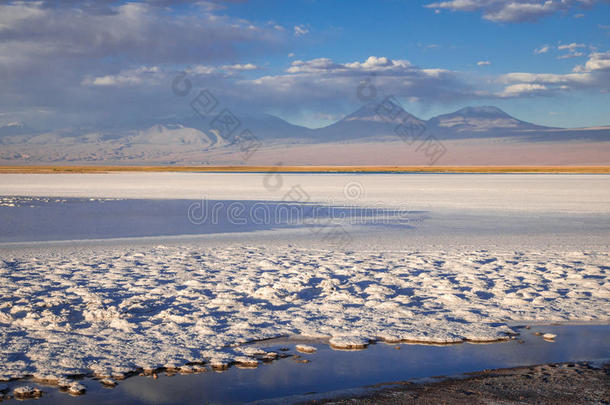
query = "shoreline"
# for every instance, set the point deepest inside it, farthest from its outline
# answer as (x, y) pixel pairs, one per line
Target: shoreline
(42, 169)
(574, 382)
(577, 382)
(546, 383)
(380, 373)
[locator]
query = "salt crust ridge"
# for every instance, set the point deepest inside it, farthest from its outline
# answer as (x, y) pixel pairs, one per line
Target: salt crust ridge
(109, 312)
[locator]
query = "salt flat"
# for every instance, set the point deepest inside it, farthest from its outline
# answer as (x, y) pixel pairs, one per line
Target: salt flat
(108, 309)
(507, 192)
(112, 311)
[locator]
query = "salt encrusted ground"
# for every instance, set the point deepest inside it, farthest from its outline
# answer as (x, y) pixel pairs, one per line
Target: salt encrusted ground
(507, 193)
(112, 310)
(73, 308)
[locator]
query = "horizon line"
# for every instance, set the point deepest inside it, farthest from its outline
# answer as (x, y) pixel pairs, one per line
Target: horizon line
(92, 169)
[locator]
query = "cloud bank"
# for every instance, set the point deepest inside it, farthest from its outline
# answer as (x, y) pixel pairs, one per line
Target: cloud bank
(512, 11)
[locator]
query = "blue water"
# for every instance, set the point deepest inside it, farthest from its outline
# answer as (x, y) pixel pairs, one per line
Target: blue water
(80, 219)
(331, 370)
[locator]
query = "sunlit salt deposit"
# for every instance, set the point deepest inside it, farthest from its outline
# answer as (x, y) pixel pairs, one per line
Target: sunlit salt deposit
(114, 310)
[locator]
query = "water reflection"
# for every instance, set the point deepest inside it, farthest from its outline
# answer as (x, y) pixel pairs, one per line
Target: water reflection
(44, 219)
(331, 370)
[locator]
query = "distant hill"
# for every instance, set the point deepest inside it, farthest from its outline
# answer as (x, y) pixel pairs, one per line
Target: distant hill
(187, 139)
(374, 121)
(479, 122)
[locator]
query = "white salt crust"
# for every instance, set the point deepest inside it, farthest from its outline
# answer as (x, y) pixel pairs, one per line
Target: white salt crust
(109, 312)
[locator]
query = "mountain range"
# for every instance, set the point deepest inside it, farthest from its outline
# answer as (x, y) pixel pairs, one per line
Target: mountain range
(194, 138)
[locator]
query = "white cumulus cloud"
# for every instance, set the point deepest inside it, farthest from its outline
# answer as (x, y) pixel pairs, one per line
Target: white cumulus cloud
(522, 89)
(512, 10)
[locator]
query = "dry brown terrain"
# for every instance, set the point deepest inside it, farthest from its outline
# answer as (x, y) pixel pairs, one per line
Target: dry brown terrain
(566, 383)
(315, 169)
(463, 152)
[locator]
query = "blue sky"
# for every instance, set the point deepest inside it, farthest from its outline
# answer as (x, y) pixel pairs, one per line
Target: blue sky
(353, 30)
(82, 62)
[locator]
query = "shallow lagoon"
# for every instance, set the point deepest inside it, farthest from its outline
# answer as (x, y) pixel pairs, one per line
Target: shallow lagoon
(344, 372)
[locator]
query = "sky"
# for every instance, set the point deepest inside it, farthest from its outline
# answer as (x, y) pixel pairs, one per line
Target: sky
(75, 63)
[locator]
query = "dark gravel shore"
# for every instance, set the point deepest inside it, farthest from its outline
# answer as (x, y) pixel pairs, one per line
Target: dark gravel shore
(561, 383)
